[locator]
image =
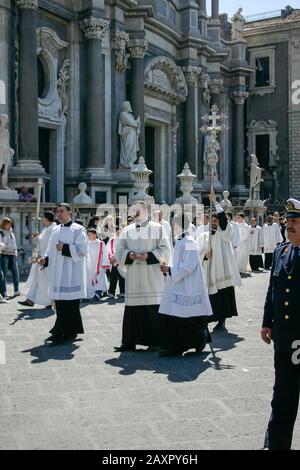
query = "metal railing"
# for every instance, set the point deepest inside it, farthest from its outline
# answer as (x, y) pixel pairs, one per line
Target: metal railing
(263, 16)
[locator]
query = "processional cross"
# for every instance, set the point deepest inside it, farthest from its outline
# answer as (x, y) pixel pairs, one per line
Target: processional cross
(216, 122)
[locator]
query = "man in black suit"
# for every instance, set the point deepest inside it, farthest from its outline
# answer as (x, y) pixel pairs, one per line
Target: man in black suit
(281, 324)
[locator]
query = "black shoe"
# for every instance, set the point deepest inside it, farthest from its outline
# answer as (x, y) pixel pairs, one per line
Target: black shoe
(220, 326)
(124, 348)
(27, 303)
(170, 353)
(153, 348)
(48, 307)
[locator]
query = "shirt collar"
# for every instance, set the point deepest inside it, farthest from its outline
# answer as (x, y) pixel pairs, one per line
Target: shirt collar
(141, 224)
(68, 224)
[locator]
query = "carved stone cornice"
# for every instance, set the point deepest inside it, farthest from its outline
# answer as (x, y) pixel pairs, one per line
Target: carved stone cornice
(215, 85)
(139, 12)
(239, 97)
(48, 40)
(137, 48)
(27, 4)
(192, 74)
(94, 27)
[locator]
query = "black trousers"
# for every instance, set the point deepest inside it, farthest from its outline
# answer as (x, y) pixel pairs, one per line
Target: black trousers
(68, 319)
(256, 262)
(268, 260)
(115, 276)
(285, 403)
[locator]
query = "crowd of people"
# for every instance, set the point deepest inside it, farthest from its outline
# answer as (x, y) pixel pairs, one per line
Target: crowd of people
(105, 275)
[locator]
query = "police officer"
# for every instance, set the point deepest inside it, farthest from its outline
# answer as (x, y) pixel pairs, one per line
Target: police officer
(281, 324)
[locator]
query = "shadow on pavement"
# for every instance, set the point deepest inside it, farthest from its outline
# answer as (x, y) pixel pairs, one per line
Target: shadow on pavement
(182, 369)
(45, 353)
(33, 314)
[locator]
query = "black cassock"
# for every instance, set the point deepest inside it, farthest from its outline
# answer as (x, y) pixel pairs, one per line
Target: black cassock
(68, 322)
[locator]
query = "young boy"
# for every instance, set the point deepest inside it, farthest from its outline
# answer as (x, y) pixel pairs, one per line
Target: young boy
(185, 304)
(115, 274)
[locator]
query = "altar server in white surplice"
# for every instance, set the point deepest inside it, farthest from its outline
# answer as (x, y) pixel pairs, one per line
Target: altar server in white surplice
(243, 250)
(142, 247)
(66, 261)
(185, 304)
(220, 268)
(97, 264)
(235, 231)
(256, 246)
(36, 287)
(272, 238)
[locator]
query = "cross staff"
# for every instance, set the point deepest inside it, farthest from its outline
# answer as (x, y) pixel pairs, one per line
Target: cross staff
(216, 123)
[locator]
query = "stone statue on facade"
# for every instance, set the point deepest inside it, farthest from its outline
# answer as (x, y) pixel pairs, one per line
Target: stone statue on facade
(238, 23)
(82, 197)
(206, 96)
(255, 182)
(225, 203)
(6, 153)
(129, 131)
(206, 152)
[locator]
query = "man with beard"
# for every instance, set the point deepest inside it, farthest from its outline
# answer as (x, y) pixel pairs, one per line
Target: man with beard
(220, 268)
(281, 324)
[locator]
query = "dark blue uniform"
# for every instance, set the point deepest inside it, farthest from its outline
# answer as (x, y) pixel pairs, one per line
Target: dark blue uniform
(282, 314)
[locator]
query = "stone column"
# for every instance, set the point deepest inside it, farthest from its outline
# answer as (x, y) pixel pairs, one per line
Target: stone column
(28, 86)
(202, 17)
(202, 5)
(203, 109)
(215, 9)
(238, 167)
(214, 23)
(191, 118)
(94, 29)
(119, 60)
(137, 49)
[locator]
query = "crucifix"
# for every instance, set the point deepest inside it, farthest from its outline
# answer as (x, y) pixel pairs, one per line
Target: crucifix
(216, 122)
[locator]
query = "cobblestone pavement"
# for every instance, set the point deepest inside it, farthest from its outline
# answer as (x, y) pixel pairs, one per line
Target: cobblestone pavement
(85, 396)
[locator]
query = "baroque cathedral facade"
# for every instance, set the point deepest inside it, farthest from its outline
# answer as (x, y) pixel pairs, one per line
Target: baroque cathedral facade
(67, 66)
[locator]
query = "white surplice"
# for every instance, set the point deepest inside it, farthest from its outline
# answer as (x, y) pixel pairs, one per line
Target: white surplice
(272, 236)
(96, 265)
(36, 287)
(144, 283)
(244, 247)
(223, 267)
(185, 294)
(256, 241)
(67, 275)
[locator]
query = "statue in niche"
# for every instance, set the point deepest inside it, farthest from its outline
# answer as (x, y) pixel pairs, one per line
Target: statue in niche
(129, 131)
(6, 153)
